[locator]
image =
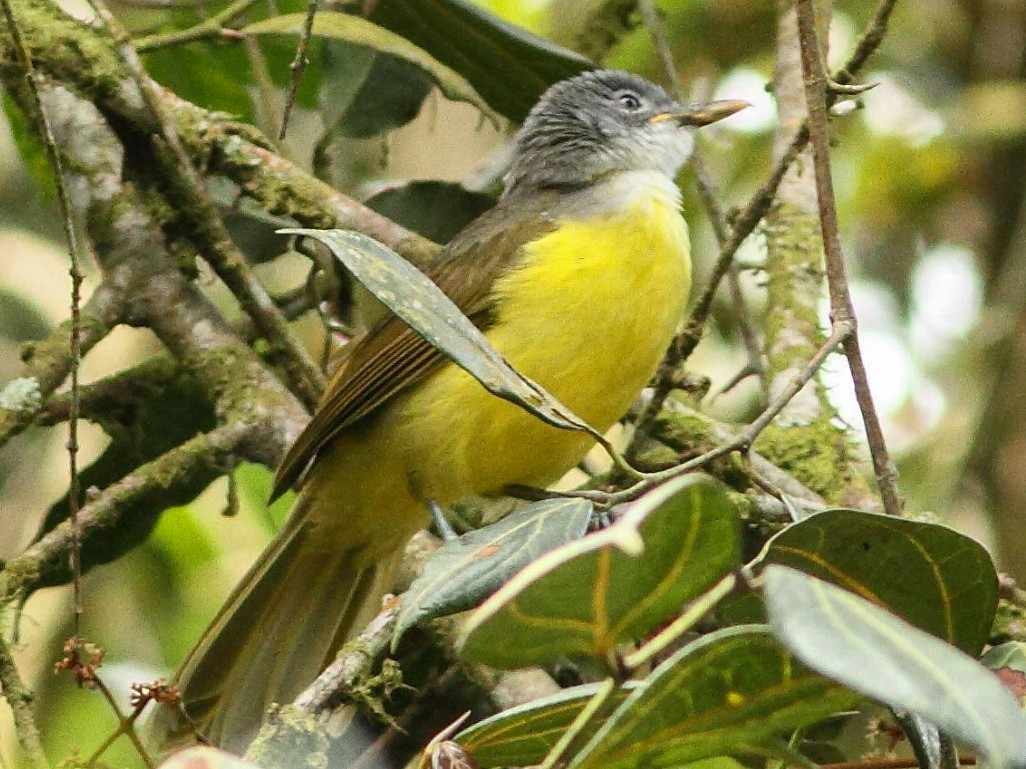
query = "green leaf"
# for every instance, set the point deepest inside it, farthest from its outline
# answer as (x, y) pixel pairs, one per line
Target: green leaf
(462, 572)
(523, 735)
(436, 210)
(346, 28)
(507, 65)
(613, 586)
(855, 642)
(723, 694)
(364, 93)
(939, 580)
(412, 296)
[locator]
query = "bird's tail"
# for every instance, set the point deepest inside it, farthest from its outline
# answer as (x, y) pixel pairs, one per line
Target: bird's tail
(279, 628)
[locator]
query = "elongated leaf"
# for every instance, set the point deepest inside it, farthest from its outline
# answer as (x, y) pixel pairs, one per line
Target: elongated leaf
(507, 65)
(409, 293)
(356, 30)
(939, 580)
(523, 735)
(720, 695)
(462, 572)
(613, 586)
(856, 642)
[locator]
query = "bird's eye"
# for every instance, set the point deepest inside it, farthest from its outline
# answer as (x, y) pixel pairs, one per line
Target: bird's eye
(629, 101)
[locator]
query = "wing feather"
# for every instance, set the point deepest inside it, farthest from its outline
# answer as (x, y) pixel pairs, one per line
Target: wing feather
(392, 356)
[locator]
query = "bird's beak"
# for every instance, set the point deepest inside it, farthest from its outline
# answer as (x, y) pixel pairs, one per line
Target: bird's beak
(702, 114)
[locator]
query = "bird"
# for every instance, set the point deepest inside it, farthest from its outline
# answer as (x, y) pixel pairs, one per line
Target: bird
(579, 276)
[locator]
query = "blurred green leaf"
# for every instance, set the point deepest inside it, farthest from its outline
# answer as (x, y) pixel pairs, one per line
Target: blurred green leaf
(936, 578)
(613, 586)
(364, 93)
(436, 210)
(723, 694)
(507, 65)
(462, 572)
(523, 735)
(215, 77)
(21, 319)
(30, 149)
(856, 642)
(355, 30)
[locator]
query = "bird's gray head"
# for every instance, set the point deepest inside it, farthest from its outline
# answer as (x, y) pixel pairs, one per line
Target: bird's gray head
(603, 122)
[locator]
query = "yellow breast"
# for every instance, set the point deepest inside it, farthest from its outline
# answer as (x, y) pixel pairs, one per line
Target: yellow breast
(588, 313)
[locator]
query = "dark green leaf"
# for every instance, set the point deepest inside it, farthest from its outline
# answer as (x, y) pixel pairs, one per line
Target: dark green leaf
(461, 573)
(854, 641)
(212, 77)
(436, 210)
(412, 296)
(937, 579)
(507, 65)
(364, 93)
(346, 28)
(523, 735)
(613, 586)
(723, 694)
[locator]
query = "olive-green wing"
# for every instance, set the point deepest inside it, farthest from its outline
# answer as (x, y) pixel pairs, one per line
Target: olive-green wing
(393, 356)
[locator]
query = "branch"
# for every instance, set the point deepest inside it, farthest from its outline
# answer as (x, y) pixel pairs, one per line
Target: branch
(211, 234)
(213, 26)
(49, 361)
(192, 465)
(841, 310)
(20, 700)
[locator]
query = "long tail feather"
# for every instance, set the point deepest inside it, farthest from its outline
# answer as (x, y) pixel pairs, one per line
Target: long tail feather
(280, 627)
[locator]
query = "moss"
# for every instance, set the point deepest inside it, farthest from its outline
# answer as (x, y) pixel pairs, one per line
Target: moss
(794, 284)
(289, 738)
(821, 455)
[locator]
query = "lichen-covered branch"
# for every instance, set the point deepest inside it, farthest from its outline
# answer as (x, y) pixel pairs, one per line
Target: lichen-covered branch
(20, 698)
(192, 466)
(48, 361)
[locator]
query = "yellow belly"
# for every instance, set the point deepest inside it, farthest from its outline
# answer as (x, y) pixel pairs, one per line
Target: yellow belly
(588, 314)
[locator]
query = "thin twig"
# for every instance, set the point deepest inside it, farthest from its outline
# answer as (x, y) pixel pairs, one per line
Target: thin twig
(741, 442)
(867, 44)
(270, 115)
(215, 26)
(126, 726)
(298, 66)
(757, 207)
(841, 308)
(34, 83)
(16, 693)
(687, 340)
(219, 251)
(650, 15)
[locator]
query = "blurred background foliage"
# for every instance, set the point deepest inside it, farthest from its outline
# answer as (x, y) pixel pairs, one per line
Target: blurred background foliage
(929, 170)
